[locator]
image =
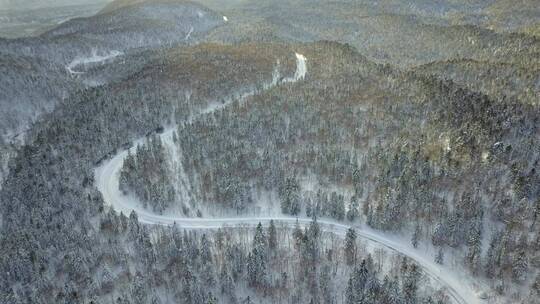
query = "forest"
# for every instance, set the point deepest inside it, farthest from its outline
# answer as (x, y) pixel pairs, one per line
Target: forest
(169, 151)
(446, 192)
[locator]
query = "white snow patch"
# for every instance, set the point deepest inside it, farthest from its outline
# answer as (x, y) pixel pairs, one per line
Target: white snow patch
(447, 145)
(485, 155)
(301, 69)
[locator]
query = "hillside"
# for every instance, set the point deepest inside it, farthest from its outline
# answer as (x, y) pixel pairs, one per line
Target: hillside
(272, 151)
(40, 72)
(386, 34)
(142, 26)
(303, 150)
(90, 51)
(499, 80)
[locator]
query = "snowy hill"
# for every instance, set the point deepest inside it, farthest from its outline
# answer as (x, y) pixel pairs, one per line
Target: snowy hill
(146, 25)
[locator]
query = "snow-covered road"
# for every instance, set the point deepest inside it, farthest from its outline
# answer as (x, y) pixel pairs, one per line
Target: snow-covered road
(94, 58)
(107, 176)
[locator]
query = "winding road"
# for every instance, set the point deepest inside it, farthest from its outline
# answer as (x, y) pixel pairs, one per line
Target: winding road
(107, 175)
(95, 58)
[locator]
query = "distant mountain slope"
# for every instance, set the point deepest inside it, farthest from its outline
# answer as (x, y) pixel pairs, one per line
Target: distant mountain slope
(78, 49)
(510, 15)
(499, 80)
(19, 22)
(118, 4)
(40, 72)
(144, 17)
(399, 34)
(28, 86)
(144, 25)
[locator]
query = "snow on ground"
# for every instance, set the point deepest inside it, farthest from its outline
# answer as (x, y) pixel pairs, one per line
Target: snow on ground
(189, 33)
(301, 69)
(175, 164)
(107, 175)
(95, 58)
(459, 290)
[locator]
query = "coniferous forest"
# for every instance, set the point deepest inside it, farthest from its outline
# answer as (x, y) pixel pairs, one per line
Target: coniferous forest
(356, 152)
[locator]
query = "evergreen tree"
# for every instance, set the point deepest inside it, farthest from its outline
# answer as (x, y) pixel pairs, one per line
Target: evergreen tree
(350, 246)
(439, 257)
(474, 247)
(439, 237)
(325, 283)
(492, 260)
(272, 236)
(353, 213)
(259, 240)
(290, 196)
(257, 268)
(298, 235)
(535, 288)
(410, 284)
(520, 266)
(415, 236)
(205, 252)
(350, 292)
(227, 285)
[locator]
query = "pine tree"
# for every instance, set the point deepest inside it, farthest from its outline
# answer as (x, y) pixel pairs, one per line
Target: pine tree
(298, 235)
(314, 229)
(259, 240)
(227, 285)
(155, 300)
(353, 213)
(337, 206)
(415, 236)
(492, 256)
(439, 257)
(257, 260)
(350, 292)
(536, 213)
(205, 252)
(373, 290)
(350, 246)
(208, 274)
(290, 197)
(210, 299)
(309, 209)
(391, 293)
(474, 247)
(325, 283)
(410, 284)
(520, 266)
(272, 236)
(138, 292)
(439, 237)
(133, 225)
(360, 277)
(535, 288)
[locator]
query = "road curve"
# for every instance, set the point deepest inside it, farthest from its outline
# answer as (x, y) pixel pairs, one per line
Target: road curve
(106, 177)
